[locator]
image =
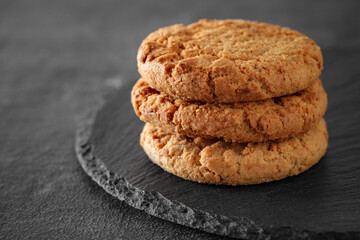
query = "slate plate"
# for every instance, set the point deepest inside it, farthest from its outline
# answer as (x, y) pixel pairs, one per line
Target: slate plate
(323, 202)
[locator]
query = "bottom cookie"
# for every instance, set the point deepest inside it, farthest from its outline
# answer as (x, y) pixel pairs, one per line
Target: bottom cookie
(219, 162)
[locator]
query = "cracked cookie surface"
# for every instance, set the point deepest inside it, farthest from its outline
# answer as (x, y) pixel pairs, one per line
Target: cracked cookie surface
(218, 162)
(228, 61)
(236, 122)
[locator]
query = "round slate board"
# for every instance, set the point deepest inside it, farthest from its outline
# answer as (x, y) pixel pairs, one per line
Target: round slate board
(323, 202)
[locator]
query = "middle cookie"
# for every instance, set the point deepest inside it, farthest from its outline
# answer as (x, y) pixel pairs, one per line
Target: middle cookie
(257, 121)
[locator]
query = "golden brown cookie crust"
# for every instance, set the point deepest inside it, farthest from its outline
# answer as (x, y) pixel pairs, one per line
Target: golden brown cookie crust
(236, 122)
(228, 61)
(218, 162)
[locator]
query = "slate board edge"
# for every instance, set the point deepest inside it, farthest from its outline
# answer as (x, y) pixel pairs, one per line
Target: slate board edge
(159, 206)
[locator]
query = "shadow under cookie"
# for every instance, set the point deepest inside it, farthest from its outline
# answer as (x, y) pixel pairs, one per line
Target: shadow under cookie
(258, 121)
(218, 162)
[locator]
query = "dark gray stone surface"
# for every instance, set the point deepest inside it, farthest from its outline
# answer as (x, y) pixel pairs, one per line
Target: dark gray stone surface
(313, 205)
(153, 202)
(56, 57)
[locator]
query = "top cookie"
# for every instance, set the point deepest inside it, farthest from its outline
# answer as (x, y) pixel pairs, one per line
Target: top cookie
(228, 61)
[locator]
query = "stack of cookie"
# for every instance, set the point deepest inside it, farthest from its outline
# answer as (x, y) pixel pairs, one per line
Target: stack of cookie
(231, 102)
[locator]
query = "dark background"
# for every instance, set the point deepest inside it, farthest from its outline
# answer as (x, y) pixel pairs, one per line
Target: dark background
(58, 57)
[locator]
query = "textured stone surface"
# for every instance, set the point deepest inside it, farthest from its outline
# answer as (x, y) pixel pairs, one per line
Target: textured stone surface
(99, 134)
(153, 202)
